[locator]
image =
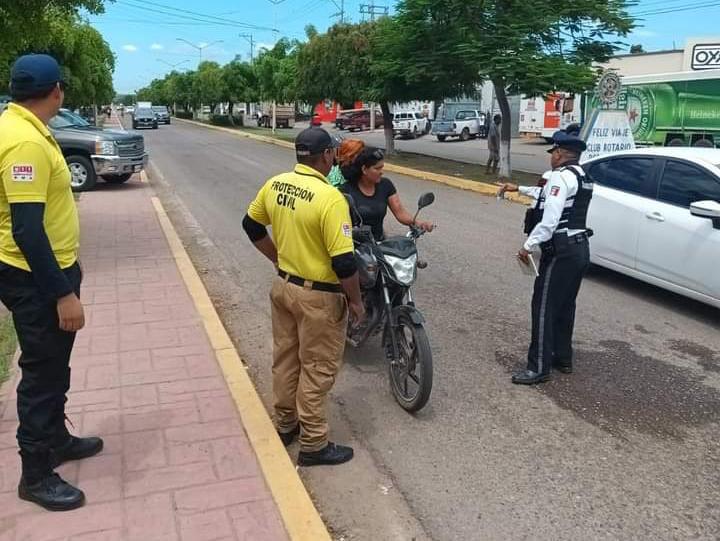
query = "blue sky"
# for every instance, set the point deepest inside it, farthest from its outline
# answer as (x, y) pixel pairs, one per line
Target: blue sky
(144, 33)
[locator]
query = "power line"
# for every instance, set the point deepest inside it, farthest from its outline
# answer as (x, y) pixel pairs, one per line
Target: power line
(373, 10)
(675, 6)
(193, 16)
(678, 9)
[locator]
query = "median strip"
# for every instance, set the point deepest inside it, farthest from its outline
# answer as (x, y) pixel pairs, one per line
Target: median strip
(476, 186)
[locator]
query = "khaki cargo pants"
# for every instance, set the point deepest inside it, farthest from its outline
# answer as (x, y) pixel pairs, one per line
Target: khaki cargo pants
(308, 345)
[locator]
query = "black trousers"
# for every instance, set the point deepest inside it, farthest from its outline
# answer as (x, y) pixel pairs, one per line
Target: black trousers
(44, 362)
(553, 306)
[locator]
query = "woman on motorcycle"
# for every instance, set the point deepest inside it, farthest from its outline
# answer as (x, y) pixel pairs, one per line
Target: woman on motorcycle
(373, 193)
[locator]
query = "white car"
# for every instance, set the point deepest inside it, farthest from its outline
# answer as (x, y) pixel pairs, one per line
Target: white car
(656, 217)
(410, 123)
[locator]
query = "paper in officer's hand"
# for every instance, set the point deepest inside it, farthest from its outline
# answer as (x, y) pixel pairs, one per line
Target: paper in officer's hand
(529, 269)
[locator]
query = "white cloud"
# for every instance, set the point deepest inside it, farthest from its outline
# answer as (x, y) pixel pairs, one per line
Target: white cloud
(157, 47)
(645, 33)
(130, 48)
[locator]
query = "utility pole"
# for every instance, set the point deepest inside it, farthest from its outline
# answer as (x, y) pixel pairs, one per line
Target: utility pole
(341, 10)
(373, 10)
(251, 41)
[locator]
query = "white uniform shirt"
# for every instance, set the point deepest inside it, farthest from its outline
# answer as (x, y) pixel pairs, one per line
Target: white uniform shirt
(560, 186)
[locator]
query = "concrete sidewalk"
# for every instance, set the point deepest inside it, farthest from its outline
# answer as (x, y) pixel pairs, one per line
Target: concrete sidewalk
(180, 461)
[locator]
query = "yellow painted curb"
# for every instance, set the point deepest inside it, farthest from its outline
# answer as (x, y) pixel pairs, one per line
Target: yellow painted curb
(301, 518)
(482, 188)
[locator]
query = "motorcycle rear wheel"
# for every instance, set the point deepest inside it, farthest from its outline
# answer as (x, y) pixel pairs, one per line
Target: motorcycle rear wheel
(411, 375)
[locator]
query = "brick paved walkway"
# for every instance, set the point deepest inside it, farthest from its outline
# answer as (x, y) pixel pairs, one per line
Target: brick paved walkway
(177, 464)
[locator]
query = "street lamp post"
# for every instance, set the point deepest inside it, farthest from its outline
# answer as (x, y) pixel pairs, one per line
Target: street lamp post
(173, 67)
(200, 48)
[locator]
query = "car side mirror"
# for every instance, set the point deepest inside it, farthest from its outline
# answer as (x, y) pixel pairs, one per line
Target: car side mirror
(707, 209)
(426, 200)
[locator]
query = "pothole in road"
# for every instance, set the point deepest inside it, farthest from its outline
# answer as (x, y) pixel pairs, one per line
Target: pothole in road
(621, 391)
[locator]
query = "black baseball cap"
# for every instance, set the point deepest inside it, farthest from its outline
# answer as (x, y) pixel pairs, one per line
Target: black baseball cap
(314, 141)
(562, 139)
(33, 72)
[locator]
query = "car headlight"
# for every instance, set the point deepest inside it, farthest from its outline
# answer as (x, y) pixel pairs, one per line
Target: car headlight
(105, 147)
(404, 269)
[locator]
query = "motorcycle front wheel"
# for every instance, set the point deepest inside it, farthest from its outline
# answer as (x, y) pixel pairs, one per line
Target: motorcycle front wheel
(411, 372)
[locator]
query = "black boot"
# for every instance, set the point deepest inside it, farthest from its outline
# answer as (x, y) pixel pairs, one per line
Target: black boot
(52, 493)
(288, 437)
(75, 449)
(40, 485)
(528, 377)
(331, 455)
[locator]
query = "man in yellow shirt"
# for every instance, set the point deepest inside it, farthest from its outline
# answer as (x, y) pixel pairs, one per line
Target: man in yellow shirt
(40, 279)
(312, 249)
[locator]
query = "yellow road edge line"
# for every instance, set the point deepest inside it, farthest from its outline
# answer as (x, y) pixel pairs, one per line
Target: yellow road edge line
(143, 177)
(300, 516)
(483, 188)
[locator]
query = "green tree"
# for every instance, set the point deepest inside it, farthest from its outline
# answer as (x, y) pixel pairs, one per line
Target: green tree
(522, 46)
(29, 25)
(239, 84)
(209, 84)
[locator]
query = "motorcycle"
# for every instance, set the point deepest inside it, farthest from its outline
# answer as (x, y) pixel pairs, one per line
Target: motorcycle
(388, 270)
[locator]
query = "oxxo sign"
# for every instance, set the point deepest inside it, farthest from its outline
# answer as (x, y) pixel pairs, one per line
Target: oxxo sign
(706, 57)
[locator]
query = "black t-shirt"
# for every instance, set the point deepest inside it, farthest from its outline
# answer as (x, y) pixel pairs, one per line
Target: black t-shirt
(373, 208)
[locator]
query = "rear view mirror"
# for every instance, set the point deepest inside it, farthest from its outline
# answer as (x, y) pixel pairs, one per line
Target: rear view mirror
(707, 209)
(426, 200)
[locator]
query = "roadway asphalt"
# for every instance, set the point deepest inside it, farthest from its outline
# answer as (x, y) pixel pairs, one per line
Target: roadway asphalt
(627, 447)
(526, 154)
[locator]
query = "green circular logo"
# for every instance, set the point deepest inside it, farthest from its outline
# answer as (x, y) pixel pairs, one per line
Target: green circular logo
(640, 107)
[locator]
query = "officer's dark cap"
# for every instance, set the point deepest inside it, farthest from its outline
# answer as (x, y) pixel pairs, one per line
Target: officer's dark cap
(313, 141)
(562, 139)
(34, 72)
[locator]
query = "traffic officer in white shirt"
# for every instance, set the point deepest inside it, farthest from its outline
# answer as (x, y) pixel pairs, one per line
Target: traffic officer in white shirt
(556, 226)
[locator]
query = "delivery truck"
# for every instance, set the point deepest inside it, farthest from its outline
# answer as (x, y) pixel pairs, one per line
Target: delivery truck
(672, 109)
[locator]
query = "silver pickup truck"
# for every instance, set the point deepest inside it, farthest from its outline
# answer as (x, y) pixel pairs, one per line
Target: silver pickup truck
(462, 123)
(93, 153)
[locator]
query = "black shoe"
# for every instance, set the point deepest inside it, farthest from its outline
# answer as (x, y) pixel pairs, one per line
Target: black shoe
(528, 377)
(75, 449)
(52, 493)
(330, 456)
(564, 368)
(288, 437)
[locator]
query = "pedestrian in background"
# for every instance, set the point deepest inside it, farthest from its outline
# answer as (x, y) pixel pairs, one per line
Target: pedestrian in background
(312, 249)
(40, 279)
(493, 141)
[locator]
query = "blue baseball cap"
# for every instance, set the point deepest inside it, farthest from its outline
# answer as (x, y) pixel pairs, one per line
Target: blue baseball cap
(34, 72)
(570, 141)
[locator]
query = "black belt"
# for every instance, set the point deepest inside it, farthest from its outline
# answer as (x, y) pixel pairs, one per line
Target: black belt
(317, 286)
(579, 238)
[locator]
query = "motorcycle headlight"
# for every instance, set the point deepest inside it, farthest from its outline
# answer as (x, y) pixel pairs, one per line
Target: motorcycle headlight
(104, 147)
(404, 269)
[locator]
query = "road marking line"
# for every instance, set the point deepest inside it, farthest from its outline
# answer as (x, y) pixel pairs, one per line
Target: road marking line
(483, 188)
(301, 518)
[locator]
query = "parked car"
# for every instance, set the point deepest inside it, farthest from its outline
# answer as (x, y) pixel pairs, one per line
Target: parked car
(343, 118)
(410, 124)
(464, 124)
(162, 114)
(144, 118)
(656, 217)
(92, 152)
(130, 109)
(361, 121)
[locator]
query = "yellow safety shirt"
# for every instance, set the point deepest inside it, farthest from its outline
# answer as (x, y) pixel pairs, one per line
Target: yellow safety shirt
(33, 170)
(310, 222)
